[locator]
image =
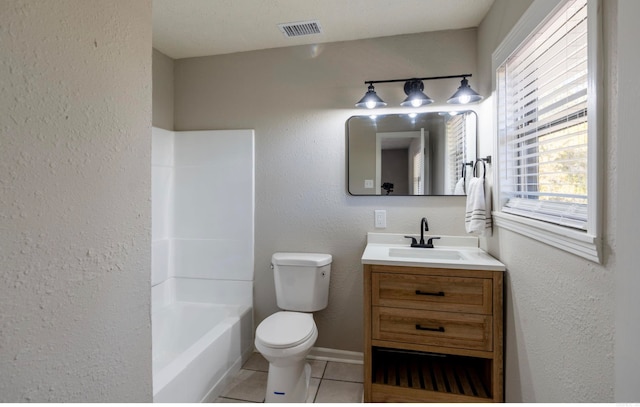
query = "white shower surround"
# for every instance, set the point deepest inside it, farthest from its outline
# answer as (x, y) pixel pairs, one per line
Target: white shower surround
(202, 266)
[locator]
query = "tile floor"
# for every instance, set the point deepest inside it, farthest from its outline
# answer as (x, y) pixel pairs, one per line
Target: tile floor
(331, 382)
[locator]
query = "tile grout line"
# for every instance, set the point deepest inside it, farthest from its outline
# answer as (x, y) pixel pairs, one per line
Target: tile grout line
(344, 381)
(315, 396)
(242, 400)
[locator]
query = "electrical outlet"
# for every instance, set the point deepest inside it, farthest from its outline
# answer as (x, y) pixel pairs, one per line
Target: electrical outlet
(380, 217)
(368, 183)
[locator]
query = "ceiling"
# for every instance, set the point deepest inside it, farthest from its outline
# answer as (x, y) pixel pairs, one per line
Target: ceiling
(192, 28)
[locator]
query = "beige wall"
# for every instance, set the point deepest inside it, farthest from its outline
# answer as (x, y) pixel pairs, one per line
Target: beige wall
(623, 141)
(562, 311)
(559, 307)
(75, 216)
(162, 91)
(75, 289)
(495, 26)
(362, 158)
(298, 100)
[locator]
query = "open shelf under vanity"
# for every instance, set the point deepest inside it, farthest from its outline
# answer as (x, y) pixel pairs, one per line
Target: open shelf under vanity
(437, 376)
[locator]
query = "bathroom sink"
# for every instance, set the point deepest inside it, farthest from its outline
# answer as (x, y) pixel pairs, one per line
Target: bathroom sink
(451, 252)
(421, 253)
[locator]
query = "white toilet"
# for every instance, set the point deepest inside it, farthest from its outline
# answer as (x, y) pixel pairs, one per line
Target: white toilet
(286, 337)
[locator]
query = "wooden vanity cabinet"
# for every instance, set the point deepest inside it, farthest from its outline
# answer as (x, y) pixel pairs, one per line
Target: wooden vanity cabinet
(433, 335)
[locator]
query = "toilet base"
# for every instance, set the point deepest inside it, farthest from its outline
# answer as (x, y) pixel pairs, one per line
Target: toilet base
(288, 384)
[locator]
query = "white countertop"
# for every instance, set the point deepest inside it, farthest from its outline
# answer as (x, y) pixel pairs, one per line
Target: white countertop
(473, 258)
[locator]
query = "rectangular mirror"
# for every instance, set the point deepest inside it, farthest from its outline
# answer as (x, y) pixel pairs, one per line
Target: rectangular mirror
(410, 154)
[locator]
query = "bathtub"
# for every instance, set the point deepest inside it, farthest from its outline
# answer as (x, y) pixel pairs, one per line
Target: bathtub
(196, 348)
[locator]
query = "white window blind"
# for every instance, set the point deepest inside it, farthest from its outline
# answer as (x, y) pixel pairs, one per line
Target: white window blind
(455, 131)
(542, 122)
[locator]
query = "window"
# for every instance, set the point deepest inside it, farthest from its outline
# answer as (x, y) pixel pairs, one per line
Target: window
(547, 132)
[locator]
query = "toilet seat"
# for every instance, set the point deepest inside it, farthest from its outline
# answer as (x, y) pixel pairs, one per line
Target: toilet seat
(285, 329)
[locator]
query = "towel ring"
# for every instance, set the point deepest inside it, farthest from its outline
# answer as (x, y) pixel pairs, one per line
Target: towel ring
(484, 168)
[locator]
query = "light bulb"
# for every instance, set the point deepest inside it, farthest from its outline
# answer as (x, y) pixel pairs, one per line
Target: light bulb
(370, 104)
(416, 102)
(464, 99)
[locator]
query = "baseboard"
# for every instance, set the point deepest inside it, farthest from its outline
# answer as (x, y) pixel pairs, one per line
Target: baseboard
(336, 355)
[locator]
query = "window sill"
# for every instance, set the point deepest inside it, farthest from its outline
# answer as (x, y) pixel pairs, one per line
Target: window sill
(573, 241)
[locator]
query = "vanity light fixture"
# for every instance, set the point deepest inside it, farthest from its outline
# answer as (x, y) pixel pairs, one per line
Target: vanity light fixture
(370, 99)
(414, 87)
(415, 97)
(464, 94)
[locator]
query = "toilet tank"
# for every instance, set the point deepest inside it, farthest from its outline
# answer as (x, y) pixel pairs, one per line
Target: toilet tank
(302, 280)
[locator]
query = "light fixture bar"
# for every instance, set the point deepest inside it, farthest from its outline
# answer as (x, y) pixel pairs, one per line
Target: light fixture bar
(468, 75)
(413, 88)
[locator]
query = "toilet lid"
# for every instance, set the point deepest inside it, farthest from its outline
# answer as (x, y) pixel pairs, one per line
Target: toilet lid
(285, 329)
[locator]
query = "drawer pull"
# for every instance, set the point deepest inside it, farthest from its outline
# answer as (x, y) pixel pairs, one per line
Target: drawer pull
(425, 328)
(438, 294)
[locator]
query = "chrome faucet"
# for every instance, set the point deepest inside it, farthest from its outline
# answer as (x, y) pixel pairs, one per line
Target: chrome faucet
(424, 227)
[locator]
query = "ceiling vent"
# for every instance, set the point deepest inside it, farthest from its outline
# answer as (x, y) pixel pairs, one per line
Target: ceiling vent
(300, 28)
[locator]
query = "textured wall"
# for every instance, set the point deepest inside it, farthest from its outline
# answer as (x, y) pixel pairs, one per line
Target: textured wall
(625, 142)
(75, 216)
(495, 26)
(298, 100)
(162, 91)
(559, 307)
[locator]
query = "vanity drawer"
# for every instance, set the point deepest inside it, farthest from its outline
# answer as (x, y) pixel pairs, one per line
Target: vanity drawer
(439, 293)
(449, 329)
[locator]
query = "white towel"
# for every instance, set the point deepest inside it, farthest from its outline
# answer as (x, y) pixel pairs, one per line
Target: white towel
(477, 218)
(459, 188)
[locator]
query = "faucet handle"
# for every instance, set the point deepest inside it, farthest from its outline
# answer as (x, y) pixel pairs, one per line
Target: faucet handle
(430, 241)
(414, 242)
